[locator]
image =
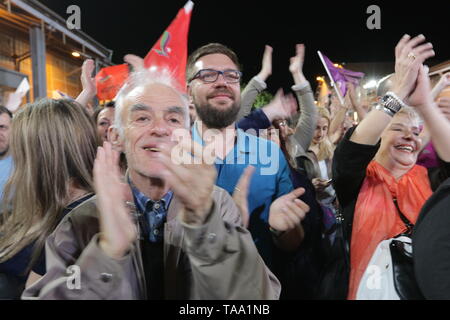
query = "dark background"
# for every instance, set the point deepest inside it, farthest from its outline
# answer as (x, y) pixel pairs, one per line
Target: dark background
(337, 28)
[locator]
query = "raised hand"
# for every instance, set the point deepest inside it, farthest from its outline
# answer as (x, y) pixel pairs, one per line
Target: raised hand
(409, 57)
(266, 69)
(296, 64)
(135, 61)
(87, 80)
(240, 194)
(281, 107)
(444, 105)
(190, 173)
(421, 94)
(288, 211)
(88, 84)
(443, 83)
(290, 106)
(117, 229)
(335, 106)
(436, 118)
(352, 95)
(349, 98)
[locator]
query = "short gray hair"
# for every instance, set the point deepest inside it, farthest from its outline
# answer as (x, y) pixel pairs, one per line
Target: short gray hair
(411, 113)
(146, 78)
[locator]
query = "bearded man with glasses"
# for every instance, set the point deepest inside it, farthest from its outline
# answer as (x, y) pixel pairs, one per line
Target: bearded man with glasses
(269, 207)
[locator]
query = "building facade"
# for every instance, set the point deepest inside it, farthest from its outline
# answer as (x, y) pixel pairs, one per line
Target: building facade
(37, 44)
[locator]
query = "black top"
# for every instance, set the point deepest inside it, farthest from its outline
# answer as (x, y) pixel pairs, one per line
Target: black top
(431, 245)
(298, 271)
(153, 261)
(256, 120)
(350, 162)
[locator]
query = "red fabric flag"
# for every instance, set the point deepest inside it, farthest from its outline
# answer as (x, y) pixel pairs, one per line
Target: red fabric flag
(109, 80)
(170, 51)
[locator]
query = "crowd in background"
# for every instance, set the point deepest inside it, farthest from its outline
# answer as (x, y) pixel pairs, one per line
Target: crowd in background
(165, 194)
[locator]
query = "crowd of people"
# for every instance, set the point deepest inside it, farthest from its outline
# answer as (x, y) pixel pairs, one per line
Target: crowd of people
(165, 194)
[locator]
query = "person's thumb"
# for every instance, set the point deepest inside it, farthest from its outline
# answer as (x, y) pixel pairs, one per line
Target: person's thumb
(294, 194)
(244, 180)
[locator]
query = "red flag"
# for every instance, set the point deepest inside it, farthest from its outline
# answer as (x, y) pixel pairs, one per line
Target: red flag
(170, 52)
(109, 80)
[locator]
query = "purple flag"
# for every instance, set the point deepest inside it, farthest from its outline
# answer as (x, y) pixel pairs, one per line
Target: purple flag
(342, 76)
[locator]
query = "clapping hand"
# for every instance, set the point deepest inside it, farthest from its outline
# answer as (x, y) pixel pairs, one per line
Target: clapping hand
(410, 53)
(117, 228)
(288, 211)
(266, 69)
(296, 64)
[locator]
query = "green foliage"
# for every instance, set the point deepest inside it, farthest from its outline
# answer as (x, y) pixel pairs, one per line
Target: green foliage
(262, 99)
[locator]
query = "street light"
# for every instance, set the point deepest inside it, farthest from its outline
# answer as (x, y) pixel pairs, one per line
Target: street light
(370, 84)
(76, 54)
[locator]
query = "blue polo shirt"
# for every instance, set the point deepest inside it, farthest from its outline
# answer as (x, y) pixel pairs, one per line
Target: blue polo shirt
(6, 167)
(269, 181)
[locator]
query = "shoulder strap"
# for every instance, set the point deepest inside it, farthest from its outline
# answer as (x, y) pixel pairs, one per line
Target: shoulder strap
(405, 220)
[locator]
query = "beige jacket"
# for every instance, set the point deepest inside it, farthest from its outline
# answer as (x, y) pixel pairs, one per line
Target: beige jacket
(215, 261)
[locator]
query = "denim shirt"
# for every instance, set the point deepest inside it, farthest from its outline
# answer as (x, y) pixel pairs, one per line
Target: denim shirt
(154, 214)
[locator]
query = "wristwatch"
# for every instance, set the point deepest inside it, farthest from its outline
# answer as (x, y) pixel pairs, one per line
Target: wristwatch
(390, 104)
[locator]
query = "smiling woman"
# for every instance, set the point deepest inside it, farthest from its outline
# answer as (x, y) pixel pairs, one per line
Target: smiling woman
(104, 118)
(400, 143)
(376, 182)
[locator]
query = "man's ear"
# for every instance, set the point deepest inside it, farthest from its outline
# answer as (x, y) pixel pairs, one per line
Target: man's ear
(189, 94)
(115, 139)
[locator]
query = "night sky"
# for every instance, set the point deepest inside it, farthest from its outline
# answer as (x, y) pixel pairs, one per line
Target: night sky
(337, 28)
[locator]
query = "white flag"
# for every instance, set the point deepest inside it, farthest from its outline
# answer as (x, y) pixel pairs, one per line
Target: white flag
(15, 99)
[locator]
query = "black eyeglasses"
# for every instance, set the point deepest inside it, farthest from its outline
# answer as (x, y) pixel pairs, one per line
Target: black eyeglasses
(211, 75)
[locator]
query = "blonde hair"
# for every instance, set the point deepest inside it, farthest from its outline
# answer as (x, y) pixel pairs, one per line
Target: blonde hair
(326, 148)
(410, 113)
(53, 145)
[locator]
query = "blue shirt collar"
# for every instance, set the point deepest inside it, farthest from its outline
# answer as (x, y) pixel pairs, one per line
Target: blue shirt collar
(142, 200)
(8, 158)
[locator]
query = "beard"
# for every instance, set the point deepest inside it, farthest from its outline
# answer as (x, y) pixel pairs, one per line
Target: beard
(214, 118)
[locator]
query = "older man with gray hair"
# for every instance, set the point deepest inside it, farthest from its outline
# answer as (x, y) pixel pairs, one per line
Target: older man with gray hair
(184, 238)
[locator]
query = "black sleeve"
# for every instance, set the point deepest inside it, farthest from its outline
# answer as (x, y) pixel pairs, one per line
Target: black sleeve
(439, 174)
(256, 120)
(39, 265)
(350, 162)
(431, 251)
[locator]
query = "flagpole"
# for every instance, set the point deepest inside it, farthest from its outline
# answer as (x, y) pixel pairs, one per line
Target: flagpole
(188, 6)
(341, 100)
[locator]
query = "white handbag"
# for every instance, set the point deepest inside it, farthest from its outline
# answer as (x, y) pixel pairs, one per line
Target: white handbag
(377, 282)
(390, 272)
